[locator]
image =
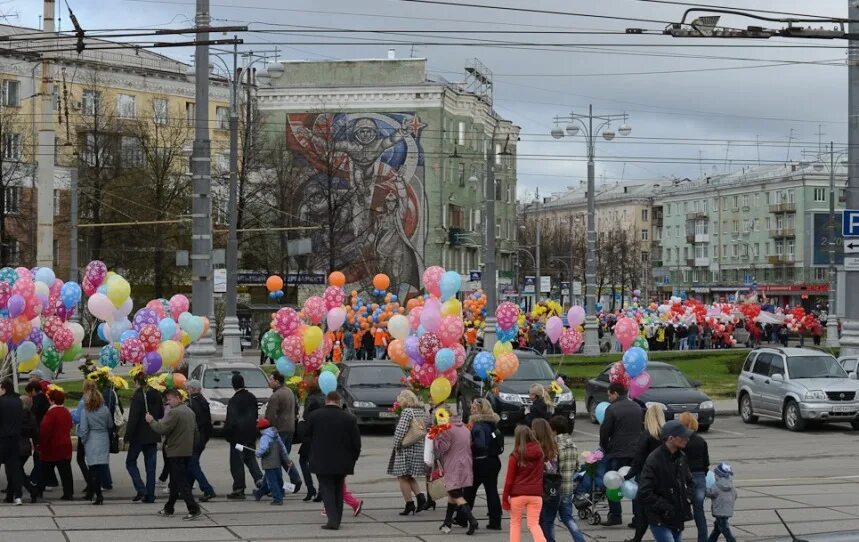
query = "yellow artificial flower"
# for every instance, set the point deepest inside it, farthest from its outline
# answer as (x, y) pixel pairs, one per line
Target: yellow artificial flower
(104, 370)
(93, 376)
(442, 416)
(157, 383)
(134, 371)
(556, 388)
(183, 394)
(55, 387)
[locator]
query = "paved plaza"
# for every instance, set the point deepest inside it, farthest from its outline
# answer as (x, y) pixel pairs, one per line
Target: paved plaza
(808, 477)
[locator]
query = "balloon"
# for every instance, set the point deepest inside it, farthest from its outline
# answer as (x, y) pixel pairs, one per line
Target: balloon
(152, 363)
(641, 342)
(335, 318)
(178, 304)
(501, 348)
(117, 328)
(313, 361)
(314, 309)
(612, 480)
(25, 351)
(28, 365)
(506, 365)
(286, 321)
(94, 274)
(451, 307)
(192, 325)
(617, 374)
(639, 385)
(439, 390)
(312, 339)
(554, 328)
(397, 353)
(431, 315)
(576, 316)
(444, 360)
(398, 327)
(157, 306)
(100, 306)
(145, 316)
(333, 297)
(432, 279)
(571, 341)
(77, 330)
(293, 348)
(270, 344)
(507, 314)
(274, 283)
(327, 382)
(150, 336)
(118, 291)
(483, 363)
(16, 305)
(413, 349)
(449, 284)
(72, 353)
(599, 411)
(46, 276)
(64, 338)
(634, 361)
(284, 366)
(710, 479)
(179, 380)
(21, 328)
(132, 351)
(103, 331)
(613, 495)
(337, 278)
(451, 330)
(428, 345)
(167, 326)
(381, 282)
(171, 353)
(629, 489)
(108, 356)
(70, 294)
(626, 330)
(458, 355)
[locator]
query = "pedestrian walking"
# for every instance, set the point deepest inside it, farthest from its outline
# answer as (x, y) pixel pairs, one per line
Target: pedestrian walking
(94, 431)
(649, 440)
(542, 405)
(619, 434)
(142, 439)
(487, 445)
(356, 504)
(281, 411)
(568, 465)
(178, 428)
(348, 345)
(523, 486)
(28, 441)
(55, 444)
(551, 476)
(36, 388)
(407, 462)
(723, 497)
(203, 416)
(698, 459)
(240, 428)
(693, 336)
(452, 449)
(336, 447)
(11, 416)
(665, 486)
(271, 451)
(368, 344)
(314, 400)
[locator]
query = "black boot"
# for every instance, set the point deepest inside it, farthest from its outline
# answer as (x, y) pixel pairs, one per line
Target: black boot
(430, 503)
(311, 493)
(422, 503)
(448, 518)
(410, 509)
(465, 512)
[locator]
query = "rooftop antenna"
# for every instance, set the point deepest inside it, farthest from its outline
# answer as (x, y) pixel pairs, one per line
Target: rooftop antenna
(758, 147)
(819, 138)
(700, 164)
(727, 152)
(790, 139)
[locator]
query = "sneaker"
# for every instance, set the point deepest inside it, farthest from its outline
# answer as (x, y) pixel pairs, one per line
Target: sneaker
(191, 516)
(164, 513)
(165, 490)
(277, 503)
(17, 501)
(208, 497)
(137, 498)
(50, 488)
(236, 496)
(611, 521)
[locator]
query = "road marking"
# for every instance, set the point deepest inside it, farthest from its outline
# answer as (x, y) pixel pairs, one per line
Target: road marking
(728, 432)
(809, 479)
(586, 433)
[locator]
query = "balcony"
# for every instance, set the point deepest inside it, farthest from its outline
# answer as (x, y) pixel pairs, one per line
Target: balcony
(658, 221)
(696, 215)
(781, 259)
(690, 262)
(690, 237)
(702, 238)
(702, 262)
(784, 207)
(656, 242)
(782, 233)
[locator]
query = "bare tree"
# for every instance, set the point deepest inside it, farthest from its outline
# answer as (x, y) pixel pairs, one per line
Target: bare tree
(14, 170)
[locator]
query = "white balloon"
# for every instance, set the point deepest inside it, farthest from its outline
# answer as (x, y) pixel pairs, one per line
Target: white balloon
(398, 327)
(77, 331)
(42, 289)
(36, 323)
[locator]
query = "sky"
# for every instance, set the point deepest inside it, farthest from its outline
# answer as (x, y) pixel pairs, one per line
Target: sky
(695, 106)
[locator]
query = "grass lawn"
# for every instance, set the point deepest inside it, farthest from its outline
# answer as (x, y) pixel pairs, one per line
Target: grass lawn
(716, 369)
(74, 391)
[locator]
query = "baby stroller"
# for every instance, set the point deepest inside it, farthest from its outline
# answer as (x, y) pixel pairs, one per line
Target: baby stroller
(590, 500)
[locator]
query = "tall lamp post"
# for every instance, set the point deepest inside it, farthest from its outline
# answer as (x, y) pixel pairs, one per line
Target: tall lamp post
(569, 276)
(831, 320)
(574, 122)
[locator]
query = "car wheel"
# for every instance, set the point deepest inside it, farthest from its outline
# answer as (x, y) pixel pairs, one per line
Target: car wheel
(463, 408)
(591, 407)
(793, 417)
(746, 409)
(855, 424)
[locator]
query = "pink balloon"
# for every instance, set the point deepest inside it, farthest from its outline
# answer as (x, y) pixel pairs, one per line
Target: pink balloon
(617, 374)
(451, 376)
(313, 361)
(334, 297)
(5, 329)
(286, 321)
(507, 314)
(450, 330)
(424, 374)
(100, 306)
(5, 293)
(431, 315)
(432, 279)
(639, 384)
(459, 355)
(314, 309)
(428, 345)
(158, 307)
(415, 317)
(554, 328)
(576, 316)
(150, 336)
(95, 272)
(179, 304)
(63, 338)
(336, 317)
(293, 348)
(56, 287)
(626, 330)
(132, 350)
(25, 287)
(571, 341)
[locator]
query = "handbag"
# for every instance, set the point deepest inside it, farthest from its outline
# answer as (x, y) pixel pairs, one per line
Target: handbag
(435, 486)
(300, 430)
(429, 452)
(552, 481)
(119, 418)
(114, 442)
(417, 431)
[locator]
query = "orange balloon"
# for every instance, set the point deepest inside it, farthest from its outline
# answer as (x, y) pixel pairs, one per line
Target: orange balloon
(397, 353)
(21, 328)
(205, 328)
(506, 365)
(274, 283)
(381, 281)
(412, 303)
(337, 278)
(179, 381)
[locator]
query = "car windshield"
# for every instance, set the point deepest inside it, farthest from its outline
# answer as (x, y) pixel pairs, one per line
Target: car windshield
(814, 367)
(223, 378)
(390, 375)
(667, 377)
(533, 369)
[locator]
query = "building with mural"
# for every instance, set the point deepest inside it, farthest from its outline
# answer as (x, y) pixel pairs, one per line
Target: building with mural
(392, 166)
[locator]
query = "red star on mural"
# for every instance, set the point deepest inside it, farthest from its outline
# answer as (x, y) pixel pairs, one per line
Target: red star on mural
(414, 125)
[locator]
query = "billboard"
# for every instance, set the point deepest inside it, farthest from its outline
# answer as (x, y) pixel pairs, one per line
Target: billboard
(820, 248)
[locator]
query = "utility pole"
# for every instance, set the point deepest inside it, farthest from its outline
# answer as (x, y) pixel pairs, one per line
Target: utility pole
(44, 157)
(831, 322)
(201, 176)
(537, 278)
(490, 281)
(850, 312)
(232, 335)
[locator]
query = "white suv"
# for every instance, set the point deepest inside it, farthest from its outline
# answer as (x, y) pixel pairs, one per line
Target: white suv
(797, 385)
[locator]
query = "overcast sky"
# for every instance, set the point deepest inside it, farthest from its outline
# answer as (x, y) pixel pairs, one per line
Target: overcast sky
(703, 111)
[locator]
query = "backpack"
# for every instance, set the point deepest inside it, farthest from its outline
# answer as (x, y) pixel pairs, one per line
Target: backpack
(496, 442)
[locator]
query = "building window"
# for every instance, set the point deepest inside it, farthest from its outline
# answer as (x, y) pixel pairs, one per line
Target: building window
(644, 235)
(125, 106)
(819, 194)
(644, 215)
(668, 210)
(735, 226)
(12, 200)
(159, 111)
(460, 135)
(756, 250)
(745, 200)
(10, 95)
(57, 202)
(222, 117)
(190, 113)
(132, 152)
(498, 228)
(685, 253)
(91, 102)
(11, 146)
(13, 252)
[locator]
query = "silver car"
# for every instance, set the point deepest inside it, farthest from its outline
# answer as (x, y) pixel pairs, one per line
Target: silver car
(217, 376)
(796, 385)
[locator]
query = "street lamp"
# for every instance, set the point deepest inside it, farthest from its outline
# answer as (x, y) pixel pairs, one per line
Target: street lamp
(586, 122)
(569, 276)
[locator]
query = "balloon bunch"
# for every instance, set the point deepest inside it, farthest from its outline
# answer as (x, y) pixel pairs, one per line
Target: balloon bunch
(474, 309)
(362, 314)
(617, 488)
(274, 285)
(631, 372)
(570, 339)
(381, 283)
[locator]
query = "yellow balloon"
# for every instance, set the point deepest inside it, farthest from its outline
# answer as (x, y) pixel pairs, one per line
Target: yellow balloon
(451, 307)
(312, 339)
(4, 350)
(118, 291)
(185, 339)
(171, 353)
(440, 390)
(29, 365)
(501, 348)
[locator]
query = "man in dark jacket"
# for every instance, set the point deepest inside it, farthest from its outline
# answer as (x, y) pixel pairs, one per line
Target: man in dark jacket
(665, 487)
(240, 427)
(203, 417)
(368, 345)
(11, 417)
(619, 434)
(142, 439)
(335, 447)
(281, 411)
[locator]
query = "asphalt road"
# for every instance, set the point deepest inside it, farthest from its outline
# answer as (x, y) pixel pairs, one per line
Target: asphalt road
(808, 477)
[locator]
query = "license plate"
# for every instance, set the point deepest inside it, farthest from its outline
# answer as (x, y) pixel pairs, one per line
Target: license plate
(694, 415)
(844, 408)
(387, 414)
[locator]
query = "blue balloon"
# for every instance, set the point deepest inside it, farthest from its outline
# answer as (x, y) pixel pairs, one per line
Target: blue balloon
(449, 284)
(711, 479)
(598, 307)
(421, 330)
(128, 334)
(70, 294)
(118, 328)
(327, 382)
(100, 332)
(507, 335)
(635, 361)
(599, 411)
(284, 366)
(629, 489)
(444, 360)
(272, 295)
(483, 363)
(45, 275)
(394, 297)
(108, 356)
(102, 289)
(167, 327)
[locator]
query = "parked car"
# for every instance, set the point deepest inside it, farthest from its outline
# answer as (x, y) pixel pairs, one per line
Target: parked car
(217, 380)
(512, 400)
(369, 389)
(796, 385)
(849, 363)
(669, 388)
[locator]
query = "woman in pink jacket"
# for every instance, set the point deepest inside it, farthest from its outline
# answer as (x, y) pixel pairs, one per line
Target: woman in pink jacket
(452, 448)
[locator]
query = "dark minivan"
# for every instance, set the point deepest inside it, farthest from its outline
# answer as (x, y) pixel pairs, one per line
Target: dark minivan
(369, 389)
